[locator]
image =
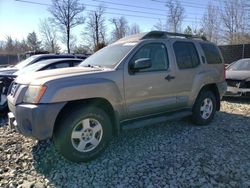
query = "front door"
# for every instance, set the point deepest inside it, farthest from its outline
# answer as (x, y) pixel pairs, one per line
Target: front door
(152, 90)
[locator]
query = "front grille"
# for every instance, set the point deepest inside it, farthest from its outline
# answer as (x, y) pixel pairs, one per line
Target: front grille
(233, 83)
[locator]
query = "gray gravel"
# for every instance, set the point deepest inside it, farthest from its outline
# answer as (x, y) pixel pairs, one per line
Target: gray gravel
(173, 154)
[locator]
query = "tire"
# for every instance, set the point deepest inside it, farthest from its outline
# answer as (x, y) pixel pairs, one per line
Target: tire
(83, 134)
(204, 108)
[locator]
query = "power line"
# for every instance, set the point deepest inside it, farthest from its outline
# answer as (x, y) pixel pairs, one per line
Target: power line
(187, 4)
(134, 11)
(130, 15)
(45, 4)
(32, 2)
(161, 16)
(127, 5)
(135, 6)
(153, 18)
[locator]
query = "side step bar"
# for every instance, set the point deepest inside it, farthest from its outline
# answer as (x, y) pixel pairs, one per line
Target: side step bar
(139, 123)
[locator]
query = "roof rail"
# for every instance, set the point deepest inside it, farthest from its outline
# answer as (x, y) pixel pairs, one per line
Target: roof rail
(163, 34)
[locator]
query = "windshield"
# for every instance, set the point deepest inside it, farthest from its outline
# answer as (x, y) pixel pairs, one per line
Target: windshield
(25, 62)
(241, 65)
(109, 56)
(30, 68)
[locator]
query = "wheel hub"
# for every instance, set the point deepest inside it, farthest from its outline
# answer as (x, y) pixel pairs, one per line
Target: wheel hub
(206, 108)
(87, 134)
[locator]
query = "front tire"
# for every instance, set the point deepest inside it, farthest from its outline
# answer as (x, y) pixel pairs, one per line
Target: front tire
(204, 108)
(83, 134)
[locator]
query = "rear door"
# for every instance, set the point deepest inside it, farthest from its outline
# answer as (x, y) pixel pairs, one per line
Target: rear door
(188, 67)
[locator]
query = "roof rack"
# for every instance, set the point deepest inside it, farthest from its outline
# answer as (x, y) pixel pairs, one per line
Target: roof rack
(163, 34)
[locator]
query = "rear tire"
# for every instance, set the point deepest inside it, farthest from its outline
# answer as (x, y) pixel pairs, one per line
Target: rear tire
(83, 134)
(204, 108)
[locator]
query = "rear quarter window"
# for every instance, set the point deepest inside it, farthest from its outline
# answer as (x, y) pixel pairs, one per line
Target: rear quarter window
(212, 53)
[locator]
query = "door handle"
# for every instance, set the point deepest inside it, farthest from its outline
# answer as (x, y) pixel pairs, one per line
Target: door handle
(169, 77)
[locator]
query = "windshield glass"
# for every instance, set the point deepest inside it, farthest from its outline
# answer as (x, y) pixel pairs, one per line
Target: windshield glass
(30, 68)
(25, 62)
(241, 65)
(108, 56)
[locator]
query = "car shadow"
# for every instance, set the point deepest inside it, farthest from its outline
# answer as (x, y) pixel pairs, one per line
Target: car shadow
(157, 146)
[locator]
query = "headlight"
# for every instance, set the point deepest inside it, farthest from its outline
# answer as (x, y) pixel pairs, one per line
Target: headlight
(34, 94)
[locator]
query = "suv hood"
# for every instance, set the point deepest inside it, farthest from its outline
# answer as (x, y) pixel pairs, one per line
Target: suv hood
(39, 78)
(237, 75)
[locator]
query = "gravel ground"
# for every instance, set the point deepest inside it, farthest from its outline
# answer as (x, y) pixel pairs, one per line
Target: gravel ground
(172, 154)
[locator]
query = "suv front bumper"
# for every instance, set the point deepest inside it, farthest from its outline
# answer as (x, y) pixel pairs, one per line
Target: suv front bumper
(36, 121)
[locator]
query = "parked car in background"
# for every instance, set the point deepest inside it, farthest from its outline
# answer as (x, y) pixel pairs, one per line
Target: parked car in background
(238, 78)
(36, 58)
(154, 75)
(6, 79)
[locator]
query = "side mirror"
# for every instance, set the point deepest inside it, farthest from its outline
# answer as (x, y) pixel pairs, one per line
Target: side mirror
(142, 63)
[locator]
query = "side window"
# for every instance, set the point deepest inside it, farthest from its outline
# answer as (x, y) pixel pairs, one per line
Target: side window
(75, 63)
(157, 53)
(61, 65)
(186, 55)
(57, 66)
(212, 53)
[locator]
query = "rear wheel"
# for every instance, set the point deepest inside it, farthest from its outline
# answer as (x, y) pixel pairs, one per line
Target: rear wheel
(83, 134)
(204, 108)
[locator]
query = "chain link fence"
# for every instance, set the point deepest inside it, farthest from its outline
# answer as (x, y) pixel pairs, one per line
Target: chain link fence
(6, 59)
(233, 53)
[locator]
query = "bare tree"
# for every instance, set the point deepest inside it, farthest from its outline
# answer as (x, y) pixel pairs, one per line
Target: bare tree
(160, 26)
(82, 49)
(67, 14)
(2, 46)
(134, 29)
(23, 46)
(175, 15)
(121, 27)
(95, 29)
(72, 42)
(33, 42)
(211, 23)
(9, 45)
(234, 20)
(188, 30)
(49, 36)
(195, 31)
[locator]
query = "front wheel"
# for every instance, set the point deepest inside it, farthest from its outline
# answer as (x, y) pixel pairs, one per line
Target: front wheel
(83, 134)
(204, 108)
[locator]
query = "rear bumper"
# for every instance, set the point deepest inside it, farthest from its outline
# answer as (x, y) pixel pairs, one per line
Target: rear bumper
(237, 92)
(36, 121)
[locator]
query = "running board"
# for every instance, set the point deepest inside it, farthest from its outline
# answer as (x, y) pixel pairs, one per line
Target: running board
(139, 123)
